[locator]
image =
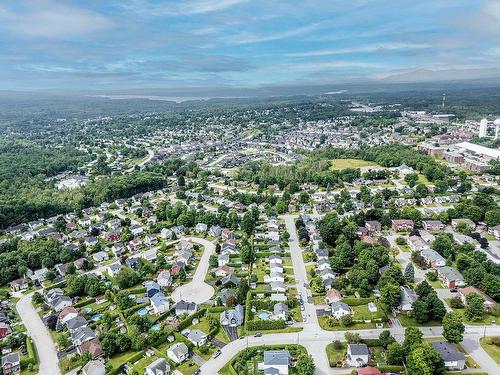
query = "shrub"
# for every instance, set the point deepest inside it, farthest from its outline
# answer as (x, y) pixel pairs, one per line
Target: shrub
(401, 241)
(456, 303)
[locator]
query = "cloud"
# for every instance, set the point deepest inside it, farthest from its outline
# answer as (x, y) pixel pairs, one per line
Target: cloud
(181, 7)
(362, 49)
(249, 38)
(48, 19)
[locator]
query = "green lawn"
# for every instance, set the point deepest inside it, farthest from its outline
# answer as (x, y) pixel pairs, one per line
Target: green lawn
(362, 313)
(323, 322)
(486, 320)
(351, 163)
(407, 321)
(336, 356)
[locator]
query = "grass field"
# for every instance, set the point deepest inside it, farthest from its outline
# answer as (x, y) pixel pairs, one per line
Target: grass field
(351, 163)
(492, 350)
(336, 356)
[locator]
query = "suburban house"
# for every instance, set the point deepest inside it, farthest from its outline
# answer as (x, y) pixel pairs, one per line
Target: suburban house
(450, 277)
(158, 367)
(357, 355)
(464, 292)
(402, 225)
(94, 368)
(164, 279)
(178, 352)
(276, 362)
(113, 269)
(183, 307)
(159, 303)
(416, 243)
(495, 231)
(93, 347)
(280, 311)
(81, 335)
(67, 314)
(233, 317)
(19, 284)
(433, 258)
(368, 370)
(222, 259)
(4, 330)
(339, 309)
(197, 337)
(433, 225)
(406, 298)
(373, 226)
(11, 363)
(333, 295)
(468, 222)
(452, 358)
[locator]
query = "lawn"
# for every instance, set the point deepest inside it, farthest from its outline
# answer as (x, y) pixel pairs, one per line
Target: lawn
(486, 320)
(188, 367)
(361, 312)
(336, 356)
(323, 322)
(351, 163)
(408, 321)
(492, 350)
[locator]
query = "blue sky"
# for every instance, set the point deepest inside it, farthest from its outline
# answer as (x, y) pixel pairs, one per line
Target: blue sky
(94, 44)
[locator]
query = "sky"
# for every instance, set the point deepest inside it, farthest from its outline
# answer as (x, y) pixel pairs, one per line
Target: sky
(105, 45)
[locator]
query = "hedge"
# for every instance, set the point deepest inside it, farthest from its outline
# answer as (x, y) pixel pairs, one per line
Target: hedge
(372, 342)
(351, 301)
(131, 310)
(256, 325)
(133, 358)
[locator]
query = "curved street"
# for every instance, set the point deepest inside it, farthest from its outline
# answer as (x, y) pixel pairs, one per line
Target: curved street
(197, 290)
(46, 350)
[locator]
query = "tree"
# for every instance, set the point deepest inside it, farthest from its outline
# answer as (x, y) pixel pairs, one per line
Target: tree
(456, 303)
(413, 337)
(352, 338)
(248, 223)
(475, 307)
(420, 310)
(453, 328)
(38, 298)
(305, 365)
(409, 272)
(424, 360)
(423, 289)
(386, 338)
(394, 353)
(389, 296)
(346, 320)
(127, 278)
(411, 179)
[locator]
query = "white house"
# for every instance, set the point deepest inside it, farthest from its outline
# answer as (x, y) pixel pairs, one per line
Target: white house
(276, 362)
(178, 352)
(339, 309)
(158, 367)
(357, 355)
(197, 337)
(159, 303)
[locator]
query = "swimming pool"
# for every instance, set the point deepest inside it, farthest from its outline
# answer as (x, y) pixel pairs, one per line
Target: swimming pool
(142, 311)
(96, 317)
(263, 315)
(87, 310)
(156, 327)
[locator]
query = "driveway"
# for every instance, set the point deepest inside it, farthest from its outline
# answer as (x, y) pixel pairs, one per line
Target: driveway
(197, 290)
(46, 350)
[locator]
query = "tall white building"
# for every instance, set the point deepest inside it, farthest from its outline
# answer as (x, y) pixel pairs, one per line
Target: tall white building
(483, 128)
(497, 127)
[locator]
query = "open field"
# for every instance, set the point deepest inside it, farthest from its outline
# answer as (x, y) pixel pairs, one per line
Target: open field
(351, 163)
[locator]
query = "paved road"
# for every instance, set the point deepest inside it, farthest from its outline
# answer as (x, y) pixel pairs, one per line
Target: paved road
(316, 339)
(47, 353)
(197, 290)
(299, 270)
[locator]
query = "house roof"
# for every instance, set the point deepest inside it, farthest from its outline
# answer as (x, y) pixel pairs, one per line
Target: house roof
(358, 349)
(160, 366)
(276, 357)
(447, 351)
(179, 349)
(450, 273)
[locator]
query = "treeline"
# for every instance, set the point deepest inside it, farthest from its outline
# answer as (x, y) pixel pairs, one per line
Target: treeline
(33, 198)
(16, 256)
(316, 168)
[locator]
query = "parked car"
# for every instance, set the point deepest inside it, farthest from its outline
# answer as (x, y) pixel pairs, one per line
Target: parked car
(258, 334)
(216, 354)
